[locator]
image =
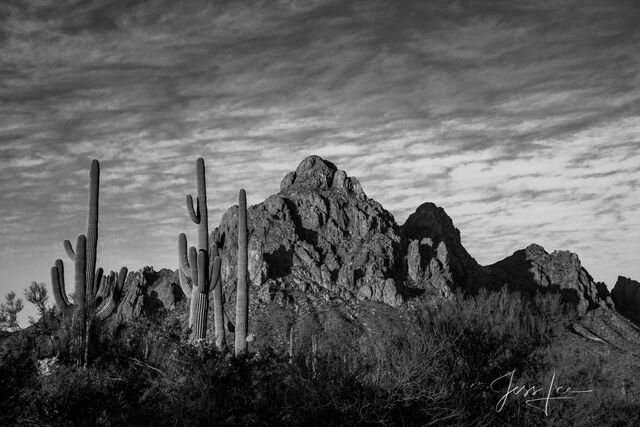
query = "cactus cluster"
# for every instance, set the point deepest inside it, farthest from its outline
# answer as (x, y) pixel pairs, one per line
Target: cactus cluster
(199, 268)
(87, 306)
(199, 274)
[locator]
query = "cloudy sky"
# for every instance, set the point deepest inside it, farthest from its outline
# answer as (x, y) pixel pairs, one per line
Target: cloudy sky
(520, 117)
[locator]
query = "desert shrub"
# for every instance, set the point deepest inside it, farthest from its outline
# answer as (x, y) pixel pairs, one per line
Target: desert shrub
(490, 335)
(493, 330)
(433, 367)
(77, 396)
(15, 375)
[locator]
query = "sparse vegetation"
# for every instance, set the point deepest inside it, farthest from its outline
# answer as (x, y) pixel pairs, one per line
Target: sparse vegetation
(436, 371)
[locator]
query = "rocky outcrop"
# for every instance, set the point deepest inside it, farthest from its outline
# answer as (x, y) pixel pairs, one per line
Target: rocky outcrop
(436, 261)
(320, 232)
(535, 270)
(626, 296)
(145, 292)
(321, 237)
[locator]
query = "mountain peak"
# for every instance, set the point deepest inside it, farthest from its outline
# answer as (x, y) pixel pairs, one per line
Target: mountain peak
(316, 173)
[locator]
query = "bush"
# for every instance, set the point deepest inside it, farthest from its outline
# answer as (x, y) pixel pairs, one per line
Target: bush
(434, 369)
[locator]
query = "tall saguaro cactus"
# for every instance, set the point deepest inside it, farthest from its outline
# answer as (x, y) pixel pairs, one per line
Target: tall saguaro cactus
(242, 290)
(218, 309)
(199, 268)
(199, 214)
(86, 306)
(92, 227)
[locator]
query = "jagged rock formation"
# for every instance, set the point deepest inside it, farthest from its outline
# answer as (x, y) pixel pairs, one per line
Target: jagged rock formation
(146, 291)
(435, 257)
(322, 238)
(320, 233)
(535, 270)
(626, 296)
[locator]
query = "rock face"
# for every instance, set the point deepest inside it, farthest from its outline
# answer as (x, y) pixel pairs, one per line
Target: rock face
(533, 269)
(626, 296)
(435, 257)
(320, 233)
(146, 291)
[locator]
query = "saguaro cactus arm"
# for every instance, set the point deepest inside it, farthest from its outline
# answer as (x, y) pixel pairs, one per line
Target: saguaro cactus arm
(217, 263)
(193, 262)
(116, 293)
(97, 281)
(194, 212)
(60, 266)
(185, 284)
(183, 259)
(69, 250)
(184, 268)
(59, 291)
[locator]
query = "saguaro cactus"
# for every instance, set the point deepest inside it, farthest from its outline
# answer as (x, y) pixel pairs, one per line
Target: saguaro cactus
(242, 290)
(197, 289)
(92, 228)
(199, 214)
(218, 309)
(86, 305)
(199, 268)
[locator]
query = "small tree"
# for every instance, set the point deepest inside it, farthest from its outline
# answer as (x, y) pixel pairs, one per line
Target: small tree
(9, 312)
(37, 295)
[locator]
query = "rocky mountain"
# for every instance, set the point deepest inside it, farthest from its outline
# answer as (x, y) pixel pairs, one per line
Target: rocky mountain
(320, 233)
(322, 239)
(325, 258)
(626, 296)
(433, 255)
(145, 292)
